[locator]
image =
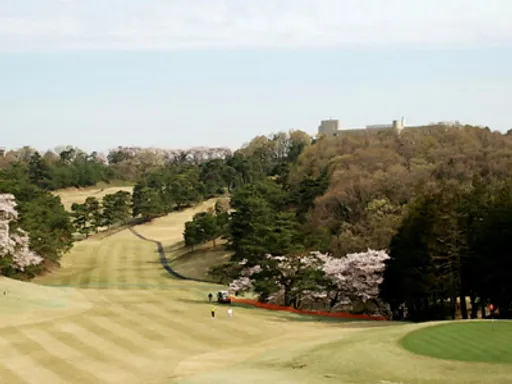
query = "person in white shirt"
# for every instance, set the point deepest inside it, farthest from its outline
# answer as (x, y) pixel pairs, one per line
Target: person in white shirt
(230, 312)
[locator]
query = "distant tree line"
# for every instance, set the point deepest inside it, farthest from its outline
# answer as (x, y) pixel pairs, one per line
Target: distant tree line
(164, 180)
(70, 168)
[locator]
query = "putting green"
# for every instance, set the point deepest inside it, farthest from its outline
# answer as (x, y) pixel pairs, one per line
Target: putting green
(479, 341)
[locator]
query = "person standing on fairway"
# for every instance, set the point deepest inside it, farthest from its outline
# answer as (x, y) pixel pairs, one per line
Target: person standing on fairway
(230, 312)
(213, 311)
(210, 297)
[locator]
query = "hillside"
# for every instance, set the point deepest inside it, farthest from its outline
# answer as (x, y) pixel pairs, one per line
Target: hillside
(373, 175)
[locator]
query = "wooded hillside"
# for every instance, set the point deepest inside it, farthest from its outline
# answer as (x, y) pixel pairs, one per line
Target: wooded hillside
(372, 176)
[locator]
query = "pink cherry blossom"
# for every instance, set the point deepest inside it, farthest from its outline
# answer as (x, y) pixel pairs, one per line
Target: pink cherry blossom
(14, 243)
(349, 280)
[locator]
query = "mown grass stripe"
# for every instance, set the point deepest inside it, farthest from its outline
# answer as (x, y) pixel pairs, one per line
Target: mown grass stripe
(118, 343)
(100, 272)
(70, 273)
(28, 371)
(96, 354)
(147, 265)
(40, 355)
(113, 345)
(76, 357)
(141, 324)
(204, 329)
(164, 323)
(187, 341)
(121, 259)
(8, 374)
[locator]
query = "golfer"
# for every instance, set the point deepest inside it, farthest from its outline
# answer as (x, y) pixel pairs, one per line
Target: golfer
(213, 311)
(210, 297)
(230, 312)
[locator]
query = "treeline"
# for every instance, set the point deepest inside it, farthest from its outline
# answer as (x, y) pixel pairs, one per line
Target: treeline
(92, 215)
(70, 168)
(373, 176)
(452, 244)
(42, 215)
(185, 181)
(164, 180)
(363, 190)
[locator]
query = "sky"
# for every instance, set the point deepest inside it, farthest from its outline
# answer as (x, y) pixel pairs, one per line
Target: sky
(182, 73)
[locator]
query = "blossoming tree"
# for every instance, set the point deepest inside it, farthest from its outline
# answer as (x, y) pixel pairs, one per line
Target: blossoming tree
(295, 280)
(14, 241)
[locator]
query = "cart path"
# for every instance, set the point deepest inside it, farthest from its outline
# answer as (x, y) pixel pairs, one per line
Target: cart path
(163, 258)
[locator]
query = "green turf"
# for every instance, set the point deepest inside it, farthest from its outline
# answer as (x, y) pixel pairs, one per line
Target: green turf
(477, 341)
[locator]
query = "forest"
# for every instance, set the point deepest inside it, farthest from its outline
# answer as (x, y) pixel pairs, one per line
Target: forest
(412, 225)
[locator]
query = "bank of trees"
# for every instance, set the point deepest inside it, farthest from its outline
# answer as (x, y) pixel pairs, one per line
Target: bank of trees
(433, 198)
(187, 179)
(452, 246)
(40, 221)
(448, 257)
(70, 167)
(207, 226)
(92, 215)
(15, 253)
(316, 280)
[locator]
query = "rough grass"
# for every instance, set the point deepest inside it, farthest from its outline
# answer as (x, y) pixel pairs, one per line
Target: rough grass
(480, 341)
(69, 196)
(132, 323)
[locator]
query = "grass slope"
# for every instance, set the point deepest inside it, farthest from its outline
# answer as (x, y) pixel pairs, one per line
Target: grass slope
(25, 303)
(479, 341)
(75, 195)
(196, 264)
(135, 324)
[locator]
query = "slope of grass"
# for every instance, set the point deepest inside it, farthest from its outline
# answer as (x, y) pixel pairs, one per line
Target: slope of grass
(196, 264)
(136, 324)
(78, 195)
(24, 303)
(479, 341)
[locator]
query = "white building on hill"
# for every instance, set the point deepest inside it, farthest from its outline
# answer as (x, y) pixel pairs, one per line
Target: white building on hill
(332, 127)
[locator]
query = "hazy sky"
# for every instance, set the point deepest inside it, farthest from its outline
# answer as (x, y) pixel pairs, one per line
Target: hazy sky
(182, 73)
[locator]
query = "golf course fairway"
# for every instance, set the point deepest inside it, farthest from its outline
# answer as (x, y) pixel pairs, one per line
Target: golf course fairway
(112, 314)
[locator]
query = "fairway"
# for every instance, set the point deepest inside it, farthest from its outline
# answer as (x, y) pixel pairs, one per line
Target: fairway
(74, 195)
(112, 314)
(479, 341)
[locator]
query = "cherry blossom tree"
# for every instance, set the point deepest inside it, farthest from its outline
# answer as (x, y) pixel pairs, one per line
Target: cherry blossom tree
(14, 243)
(354, 278)
(316, 278)
(244, 282)
(288, 279)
